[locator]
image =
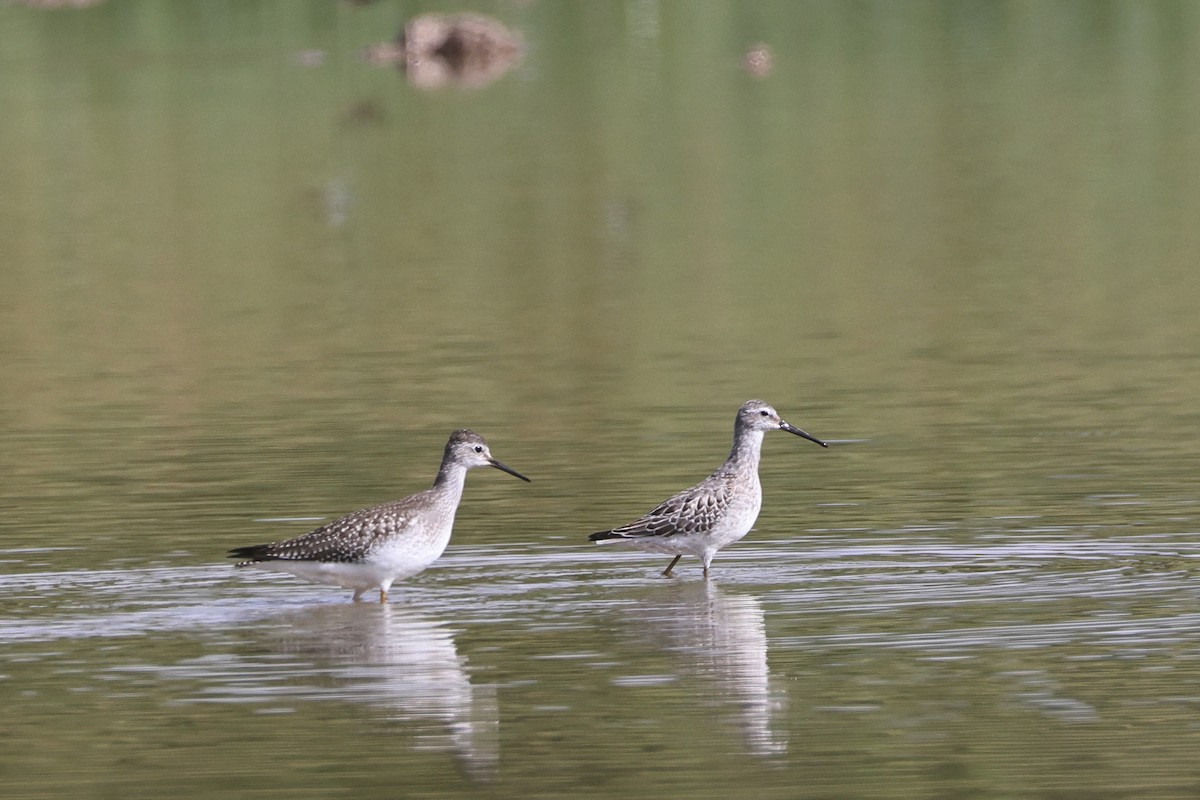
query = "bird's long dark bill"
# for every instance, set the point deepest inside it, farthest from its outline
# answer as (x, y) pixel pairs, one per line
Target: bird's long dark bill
(793, 429)
(509, 470)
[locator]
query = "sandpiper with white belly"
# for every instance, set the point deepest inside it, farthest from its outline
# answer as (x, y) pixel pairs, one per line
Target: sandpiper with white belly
(374, 547)
(717, 511)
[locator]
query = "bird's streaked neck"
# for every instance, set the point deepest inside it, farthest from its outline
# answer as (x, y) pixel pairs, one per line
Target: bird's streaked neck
(450, 478)
(747, 447)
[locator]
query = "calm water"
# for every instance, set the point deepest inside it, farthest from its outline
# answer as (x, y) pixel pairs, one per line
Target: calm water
(249, 281)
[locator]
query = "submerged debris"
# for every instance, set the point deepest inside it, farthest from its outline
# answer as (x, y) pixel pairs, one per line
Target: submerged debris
(364, 112)
(758, 61)
(435, 50)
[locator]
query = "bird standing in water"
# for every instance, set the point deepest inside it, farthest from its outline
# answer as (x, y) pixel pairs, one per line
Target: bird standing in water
(372, 548)
(717, 511)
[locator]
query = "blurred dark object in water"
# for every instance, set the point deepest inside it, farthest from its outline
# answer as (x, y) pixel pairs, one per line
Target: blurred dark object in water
(759, 61)
(436, 50)
(364, 112)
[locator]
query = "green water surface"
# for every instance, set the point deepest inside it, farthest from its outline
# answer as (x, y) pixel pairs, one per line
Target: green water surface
(250, 281)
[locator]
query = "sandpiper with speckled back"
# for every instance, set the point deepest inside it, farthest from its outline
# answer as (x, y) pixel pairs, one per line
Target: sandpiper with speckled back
(374, 547)
(720, 509)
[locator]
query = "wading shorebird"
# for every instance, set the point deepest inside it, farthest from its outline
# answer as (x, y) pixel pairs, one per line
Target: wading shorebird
(717, 511)
(372, 548)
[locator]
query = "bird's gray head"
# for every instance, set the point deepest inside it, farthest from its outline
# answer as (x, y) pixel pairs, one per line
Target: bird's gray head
(469, 449)
(759, 416)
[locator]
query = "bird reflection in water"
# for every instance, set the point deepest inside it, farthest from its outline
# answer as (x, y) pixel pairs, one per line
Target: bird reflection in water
(405, 663)
(722, 638)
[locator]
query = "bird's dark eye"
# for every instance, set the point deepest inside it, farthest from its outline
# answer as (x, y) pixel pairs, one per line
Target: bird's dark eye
(765, 413)
(478, 449)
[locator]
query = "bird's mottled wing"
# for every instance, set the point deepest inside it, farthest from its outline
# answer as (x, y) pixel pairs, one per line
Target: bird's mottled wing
(346, 539)
(695, 510)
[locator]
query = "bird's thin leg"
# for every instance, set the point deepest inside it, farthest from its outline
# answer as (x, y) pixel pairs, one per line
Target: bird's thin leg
(358, 595)
(667, 572)
(706, 573)
(383, 595)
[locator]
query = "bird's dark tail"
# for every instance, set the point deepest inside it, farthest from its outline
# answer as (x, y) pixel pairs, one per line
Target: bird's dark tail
(604, 536)
(254, 552)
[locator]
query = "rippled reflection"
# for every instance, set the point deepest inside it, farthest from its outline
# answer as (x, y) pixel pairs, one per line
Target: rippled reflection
(399, 660)
(722, 637)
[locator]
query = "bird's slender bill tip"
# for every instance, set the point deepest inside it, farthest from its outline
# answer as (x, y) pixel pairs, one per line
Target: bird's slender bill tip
(793, 429)
(509, 470)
